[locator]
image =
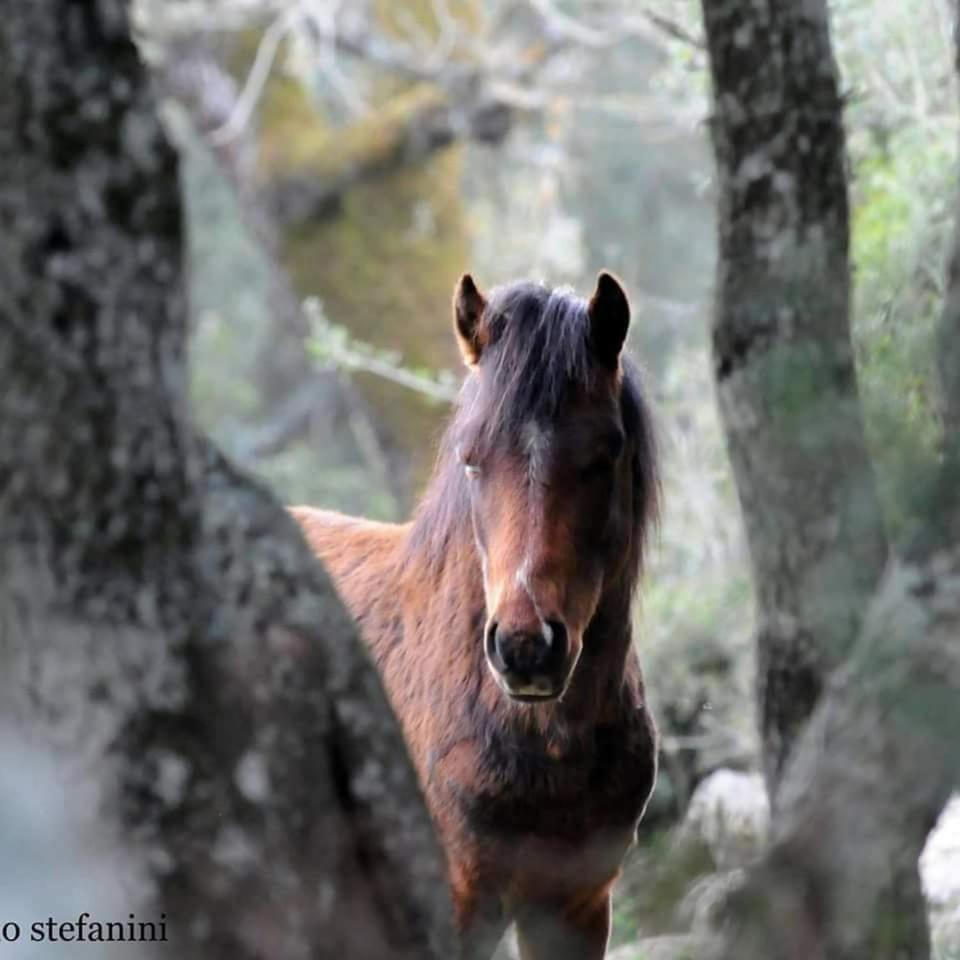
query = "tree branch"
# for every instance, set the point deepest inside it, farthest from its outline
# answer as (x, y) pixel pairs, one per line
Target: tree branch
(256, 80)
(309, 184)
(673, 30)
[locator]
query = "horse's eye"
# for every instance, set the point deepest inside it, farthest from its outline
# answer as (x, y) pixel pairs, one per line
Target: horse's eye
(605, 457)
(615, 444)
(464, 455)
(598, 467)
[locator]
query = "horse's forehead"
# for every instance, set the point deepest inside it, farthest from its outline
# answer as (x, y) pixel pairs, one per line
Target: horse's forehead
(536, 440)
(537, 436)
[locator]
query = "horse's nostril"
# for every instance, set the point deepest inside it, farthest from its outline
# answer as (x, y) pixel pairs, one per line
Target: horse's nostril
(521, 652)
(526, 654)
(492, 644)
(555, 634)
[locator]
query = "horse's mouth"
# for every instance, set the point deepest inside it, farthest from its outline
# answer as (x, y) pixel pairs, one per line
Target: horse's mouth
(533, 697)
(533, 690)
(540, 690)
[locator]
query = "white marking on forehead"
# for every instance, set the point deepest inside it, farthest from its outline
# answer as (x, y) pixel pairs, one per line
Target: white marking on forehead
(522, 578)
(536, 441)
(522, 575)
(484, 568)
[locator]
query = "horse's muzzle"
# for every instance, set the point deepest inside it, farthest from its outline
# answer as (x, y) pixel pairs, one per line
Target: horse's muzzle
(530, 667)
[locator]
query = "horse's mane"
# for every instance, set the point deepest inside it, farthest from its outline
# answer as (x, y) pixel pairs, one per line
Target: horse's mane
(537, 349)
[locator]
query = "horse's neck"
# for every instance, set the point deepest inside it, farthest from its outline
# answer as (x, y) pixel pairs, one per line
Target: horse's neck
(450, 590)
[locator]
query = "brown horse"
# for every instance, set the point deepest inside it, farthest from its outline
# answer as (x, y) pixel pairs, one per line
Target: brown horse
(500, 616)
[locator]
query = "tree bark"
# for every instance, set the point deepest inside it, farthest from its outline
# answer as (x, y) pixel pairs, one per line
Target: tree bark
(864, 787)
(158, 609)
(858, 791)
(782, 352)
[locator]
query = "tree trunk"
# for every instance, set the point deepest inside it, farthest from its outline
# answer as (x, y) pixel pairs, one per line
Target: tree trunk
(864, 787)
(858, 791)
(782, 351)
(158, 611)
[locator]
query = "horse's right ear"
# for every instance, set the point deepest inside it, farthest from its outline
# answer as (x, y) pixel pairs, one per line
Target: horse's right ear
(468, 306)
(609, 312)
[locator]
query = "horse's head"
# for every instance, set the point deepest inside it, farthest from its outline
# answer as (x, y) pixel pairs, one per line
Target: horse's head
(555, 444)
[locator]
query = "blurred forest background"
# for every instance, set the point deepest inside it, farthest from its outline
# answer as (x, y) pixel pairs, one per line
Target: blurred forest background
(344, 162)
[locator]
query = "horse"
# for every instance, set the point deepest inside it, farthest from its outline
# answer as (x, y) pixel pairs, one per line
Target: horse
(499, 617)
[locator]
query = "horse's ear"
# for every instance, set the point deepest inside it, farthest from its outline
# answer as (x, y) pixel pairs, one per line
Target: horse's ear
(609, 313)
(468, 306)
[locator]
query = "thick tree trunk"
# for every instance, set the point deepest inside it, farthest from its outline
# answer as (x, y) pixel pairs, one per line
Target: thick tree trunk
(864, 787)
(858, 791)
(156, 607)
(782, 352)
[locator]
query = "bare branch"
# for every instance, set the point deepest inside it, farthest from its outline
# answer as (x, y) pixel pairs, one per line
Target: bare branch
(442, 388)
(327, 13)
(266, 54)
(401, 133)
(648, 23)
(672, 29)
(571, 28)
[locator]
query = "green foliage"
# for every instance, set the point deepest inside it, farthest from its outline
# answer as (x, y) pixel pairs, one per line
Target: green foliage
(656, 878)
(903, 196)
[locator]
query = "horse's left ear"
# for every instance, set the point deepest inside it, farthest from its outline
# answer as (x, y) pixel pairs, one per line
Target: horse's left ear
(468, 307)
(609, 313)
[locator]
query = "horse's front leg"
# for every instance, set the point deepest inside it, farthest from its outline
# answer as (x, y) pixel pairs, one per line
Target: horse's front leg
(575, 930)
(478, 917)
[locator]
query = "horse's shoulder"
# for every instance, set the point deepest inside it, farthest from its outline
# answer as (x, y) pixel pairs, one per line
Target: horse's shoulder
(324, 529)
(356, 551)
(317, 519)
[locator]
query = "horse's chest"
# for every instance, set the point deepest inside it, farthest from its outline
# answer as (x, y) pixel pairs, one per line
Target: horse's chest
(517, 798)
(537, 823)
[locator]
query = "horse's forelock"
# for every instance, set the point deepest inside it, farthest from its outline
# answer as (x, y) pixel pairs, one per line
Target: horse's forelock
(539, 351)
